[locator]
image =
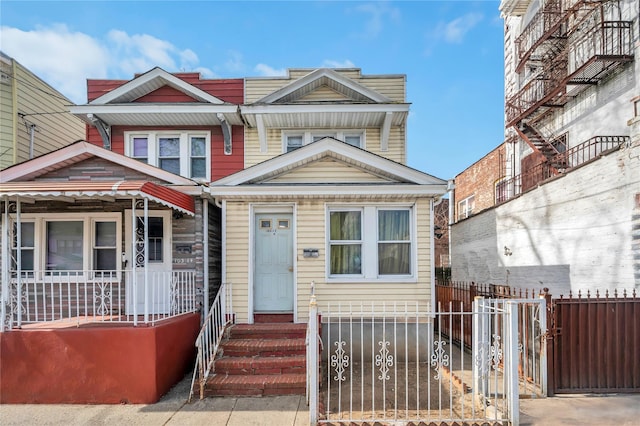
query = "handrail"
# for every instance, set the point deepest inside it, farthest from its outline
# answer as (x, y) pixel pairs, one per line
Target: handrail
(210, 336)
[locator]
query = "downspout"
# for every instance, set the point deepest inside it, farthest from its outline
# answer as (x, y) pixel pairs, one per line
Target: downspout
(5, 265)
(432, 255)
(205, 245)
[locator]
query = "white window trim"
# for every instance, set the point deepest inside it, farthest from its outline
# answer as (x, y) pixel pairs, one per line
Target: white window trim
(88, 238)
(185, 148)
(308, 135)
(370, 244)
(463, 207)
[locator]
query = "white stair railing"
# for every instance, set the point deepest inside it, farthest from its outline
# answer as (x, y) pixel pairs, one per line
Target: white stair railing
(211, 334)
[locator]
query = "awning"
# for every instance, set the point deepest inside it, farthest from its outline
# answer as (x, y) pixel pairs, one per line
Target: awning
(71, 191)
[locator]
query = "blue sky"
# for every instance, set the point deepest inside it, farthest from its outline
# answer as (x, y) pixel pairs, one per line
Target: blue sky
(451, 52)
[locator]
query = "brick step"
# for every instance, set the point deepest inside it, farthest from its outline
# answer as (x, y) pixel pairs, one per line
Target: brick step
(268, 331)
(263, 347)
(259, 385)
(261, 365)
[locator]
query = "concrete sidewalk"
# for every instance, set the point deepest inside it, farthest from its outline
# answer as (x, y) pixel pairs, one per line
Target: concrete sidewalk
(602, 410)
(172, 409)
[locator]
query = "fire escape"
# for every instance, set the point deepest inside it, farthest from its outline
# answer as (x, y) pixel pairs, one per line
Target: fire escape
(567, 46)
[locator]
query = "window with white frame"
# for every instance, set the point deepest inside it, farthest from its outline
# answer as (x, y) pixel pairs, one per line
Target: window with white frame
(370, 242)
(69, 242)
(184, 153)
(293, 140)
(465, 207)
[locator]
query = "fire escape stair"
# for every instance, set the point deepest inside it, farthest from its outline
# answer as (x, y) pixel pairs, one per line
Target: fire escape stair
(540, 144)
(260, 360)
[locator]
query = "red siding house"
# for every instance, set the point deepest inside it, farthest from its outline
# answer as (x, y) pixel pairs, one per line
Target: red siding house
(117, 231)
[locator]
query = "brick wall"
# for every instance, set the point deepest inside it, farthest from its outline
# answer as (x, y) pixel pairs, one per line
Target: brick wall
(479, 180)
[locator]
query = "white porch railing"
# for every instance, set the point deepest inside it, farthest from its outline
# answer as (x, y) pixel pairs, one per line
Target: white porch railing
(97, 296)
(390, 362)
(211, 334)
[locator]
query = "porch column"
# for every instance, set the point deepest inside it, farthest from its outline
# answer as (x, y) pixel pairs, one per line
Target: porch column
(19, 261)
(146, 260)
(134, 256)
(205, 248)
(6, 255)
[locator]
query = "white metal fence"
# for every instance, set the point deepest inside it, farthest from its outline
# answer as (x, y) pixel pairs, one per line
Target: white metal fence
(213, 328)
(96, 296)
(392, 362)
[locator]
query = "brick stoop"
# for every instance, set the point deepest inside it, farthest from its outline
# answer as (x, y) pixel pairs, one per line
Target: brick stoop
(259, 360)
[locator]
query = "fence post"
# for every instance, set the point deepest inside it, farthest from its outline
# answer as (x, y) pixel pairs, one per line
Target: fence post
(550, 348)
(511, 365)
(312, 358)
(543, 345)
(480, 346)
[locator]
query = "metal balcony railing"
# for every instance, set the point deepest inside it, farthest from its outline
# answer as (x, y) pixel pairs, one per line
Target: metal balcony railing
(546, 22)
(608, 43)
(561, 163)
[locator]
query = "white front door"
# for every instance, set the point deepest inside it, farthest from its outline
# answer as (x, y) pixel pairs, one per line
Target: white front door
(273, 273)
(157, 292)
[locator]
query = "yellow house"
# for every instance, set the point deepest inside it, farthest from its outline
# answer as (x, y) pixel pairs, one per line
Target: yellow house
(325, 197)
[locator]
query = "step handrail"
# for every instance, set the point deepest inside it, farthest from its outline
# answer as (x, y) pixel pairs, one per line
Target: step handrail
(220, 316)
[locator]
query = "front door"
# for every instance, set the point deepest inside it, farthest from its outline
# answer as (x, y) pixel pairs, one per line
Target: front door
(157, 293)
(273, 274)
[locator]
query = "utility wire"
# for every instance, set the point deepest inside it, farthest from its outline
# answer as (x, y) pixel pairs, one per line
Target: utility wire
(26, 83)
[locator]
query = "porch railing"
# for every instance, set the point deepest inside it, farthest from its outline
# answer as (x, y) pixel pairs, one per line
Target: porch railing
(220, 316)
(84, 296)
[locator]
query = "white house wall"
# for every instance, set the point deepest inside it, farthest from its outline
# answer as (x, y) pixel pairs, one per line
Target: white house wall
(580, 231)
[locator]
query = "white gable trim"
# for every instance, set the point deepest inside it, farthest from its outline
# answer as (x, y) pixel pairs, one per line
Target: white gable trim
(324, 148)
(321, 73)
(80, 151)
(162, 77)
(391, 191)
(340, 108)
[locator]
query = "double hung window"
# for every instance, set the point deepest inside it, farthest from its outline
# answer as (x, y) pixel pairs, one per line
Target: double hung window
(293, 140)
(185, 153)
(465, 207)
(73, 242)
(370, 242)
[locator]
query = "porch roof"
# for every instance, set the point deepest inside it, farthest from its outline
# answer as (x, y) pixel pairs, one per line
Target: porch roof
(71, 191)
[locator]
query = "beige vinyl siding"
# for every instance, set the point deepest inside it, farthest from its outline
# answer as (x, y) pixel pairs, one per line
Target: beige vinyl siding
(7, 117)
(47, 109)
(252, 155)
(323, 93)
(311, 232)
(237, 256)
(393, 87)
(327, 171)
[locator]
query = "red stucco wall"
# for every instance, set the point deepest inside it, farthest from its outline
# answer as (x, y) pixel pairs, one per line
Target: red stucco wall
(96, 365)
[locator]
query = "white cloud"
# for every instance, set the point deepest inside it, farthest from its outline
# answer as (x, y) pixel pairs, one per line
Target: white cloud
(377, 14)
(62, 58)
(455, 31)
(267, 71)
(452, 32)
(66, 59)
(328, 63)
